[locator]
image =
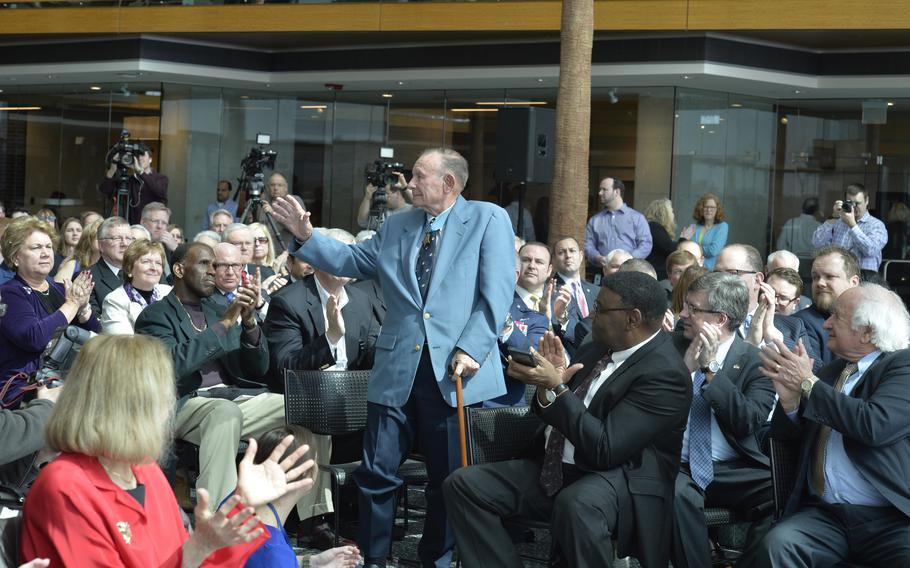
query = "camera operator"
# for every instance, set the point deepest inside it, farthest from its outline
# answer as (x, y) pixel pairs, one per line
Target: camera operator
(277, 186)
(399, 201)
(854, 229)
(144, 184)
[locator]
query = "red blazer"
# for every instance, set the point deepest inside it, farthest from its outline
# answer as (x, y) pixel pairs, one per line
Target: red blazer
(76, 516)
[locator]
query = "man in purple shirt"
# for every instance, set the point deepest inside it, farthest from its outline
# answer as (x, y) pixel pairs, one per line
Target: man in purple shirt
(855, 229)
(618, 226)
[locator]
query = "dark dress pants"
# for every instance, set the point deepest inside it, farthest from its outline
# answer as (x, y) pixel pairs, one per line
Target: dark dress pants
(388, 440)
(583, 516)
(737, 485)
(819, 535)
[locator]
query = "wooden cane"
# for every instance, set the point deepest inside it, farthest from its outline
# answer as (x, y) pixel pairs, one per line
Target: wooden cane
(462, 437)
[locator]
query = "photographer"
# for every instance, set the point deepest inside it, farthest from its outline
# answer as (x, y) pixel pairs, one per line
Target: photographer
(398, 201)
(854, 229)
(144, 184)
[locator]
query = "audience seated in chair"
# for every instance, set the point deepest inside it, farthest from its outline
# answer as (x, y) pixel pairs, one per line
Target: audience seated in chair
(612, 446)
(143, 264)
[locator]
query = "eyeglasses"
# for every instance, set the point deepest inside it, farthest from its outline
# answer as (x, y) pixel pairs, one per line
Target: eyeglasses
(261, 240)
(784, 301)
(600, 310)
(227, 266)
(693, 309)
(738, 272)
(126, 240)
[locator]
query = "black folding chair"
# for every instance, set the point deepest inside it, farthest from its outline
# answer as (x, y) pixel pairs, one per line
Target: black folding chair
(334, 403)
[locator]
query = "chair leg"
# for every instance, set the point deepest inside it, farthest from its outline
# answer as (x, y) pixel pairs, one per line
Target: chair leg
(336, 504)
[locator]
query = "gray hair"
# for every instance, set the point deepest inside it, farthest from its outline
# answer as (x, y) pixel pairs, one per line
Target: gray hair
(233, 228)
(638, 265)
(148, 235)
(786, 259)
(207, 235)
(217, 212)
(884, 312)
(609, 256)
(726, 294)
(365, 235)
(155, 206)
(452, 162)
(341, 235)
(109, 224)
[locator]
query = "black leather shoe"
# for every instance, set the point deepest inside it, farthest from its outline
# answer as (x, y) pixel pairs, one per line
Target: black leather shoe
(374, 563)
(322, 537)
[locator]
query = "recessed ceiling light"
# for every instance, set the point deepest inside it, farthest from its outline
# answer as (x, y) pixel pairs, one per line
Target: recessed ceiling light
(313, 107)
(20, 108)
(736, 105)
(797, 91)
(95, 88)
(510, 103)
(387, 95)
(685, 76)
(540, 79)
(474, 110)
(400, 83)
(131, 74)
(890, 103)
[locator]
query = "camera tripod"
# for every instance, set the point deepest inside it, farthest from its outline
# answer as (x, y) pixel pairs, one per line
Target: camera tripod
(123, 192)
(253, 208)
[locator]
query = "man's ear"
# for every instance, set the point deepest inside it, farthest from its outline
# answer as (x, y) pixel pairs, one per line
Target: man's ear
(177, 270)
(448, 181)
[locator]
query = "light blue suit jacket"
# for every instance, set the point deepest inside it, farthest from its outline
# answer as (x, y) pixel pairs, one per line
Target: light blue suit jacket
(469, 296)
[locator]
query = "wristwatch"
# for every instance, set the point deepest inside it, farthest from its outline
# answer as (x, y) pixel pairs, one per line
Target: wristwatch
(551, 394)
(806, 386)
(713, 367)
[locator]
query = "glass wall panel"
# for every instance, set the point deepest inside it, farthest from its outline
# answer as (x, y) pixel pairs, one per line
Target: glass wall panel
(724, 144)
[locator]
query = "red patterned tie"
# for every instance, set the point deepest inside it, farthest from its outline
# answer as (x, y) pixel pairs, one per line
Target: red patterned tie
(551, 471)
(580, 298)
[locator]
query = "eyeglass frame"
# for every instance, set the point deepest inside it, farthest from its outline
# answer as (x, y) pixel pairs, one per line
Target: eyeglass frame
(599, 310)
(236, 267)
(693, 309)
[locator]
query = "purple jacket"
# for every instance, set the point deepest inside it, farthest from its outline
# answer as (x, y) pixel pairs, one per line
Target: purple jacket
(25, 331)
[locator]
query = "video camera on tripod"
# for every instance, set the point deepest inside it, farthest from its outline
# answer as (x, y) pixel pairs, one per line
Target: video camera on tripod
(124, 152)
(380, 174)
(252, 178)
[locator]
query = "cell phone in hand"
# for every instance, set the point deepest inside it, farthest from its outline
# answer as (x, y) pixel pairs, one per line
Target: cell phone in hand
(523, 357)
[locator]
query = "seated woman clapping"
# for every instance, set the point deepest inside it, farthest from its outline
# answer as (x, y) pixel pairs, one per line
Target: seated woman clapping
(105, 502)
(143, 263)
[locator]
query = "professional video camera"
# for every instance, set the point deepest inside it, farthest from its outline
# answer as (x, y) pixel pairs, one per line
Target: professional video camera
(252, 167)
(380, 174)
(59, 355)
(124, 152)
(252, 181)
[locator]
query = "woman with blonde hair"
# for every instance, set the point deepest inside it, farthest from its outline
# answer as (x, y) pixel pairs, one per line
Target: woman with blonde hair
(143, 264)
(85, 253)
(709, 230)
(105, 502)
(662, 223)
(264, 254)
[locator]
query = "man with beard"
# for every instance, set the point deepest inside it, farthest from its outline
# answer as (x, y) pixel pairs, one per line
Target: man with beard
(834, 270)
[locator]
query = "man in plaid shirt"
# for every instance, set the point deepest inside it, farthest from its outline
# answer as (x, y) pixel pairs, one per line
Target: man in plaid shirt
(855, 230)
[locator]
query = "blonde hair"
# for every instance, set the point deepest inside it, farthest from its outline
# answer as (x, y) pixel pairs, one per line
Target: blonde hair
(118, 402)
(86, 249)
(137, 250)
(660, 211)
(259, 228)
(18, 231)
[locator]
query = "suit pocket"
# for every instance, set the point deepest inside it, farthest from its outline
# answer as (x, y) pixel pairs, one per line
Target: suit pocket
(386, 341)
(647, 486)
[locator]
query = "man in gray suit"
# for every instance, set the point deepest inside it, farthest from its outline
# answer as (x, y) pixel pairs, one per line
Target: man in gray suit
(851, 498)
(722, 465)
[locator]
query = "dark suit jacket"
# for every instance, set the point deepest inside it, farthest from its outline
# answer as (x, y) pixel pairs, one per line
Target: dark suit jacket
(874, 421)
(244, 365)
(793, 331)
(374, 292)
(635, 422)
(295, 329)
(264, 271)
(530, 325)
(740, 397)
(105, 282)
(817, 337)
(577, 327)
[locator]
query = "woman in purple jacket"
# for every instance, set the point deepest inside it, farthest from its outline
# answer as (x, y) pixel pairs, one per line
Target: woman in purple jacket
(36, 305)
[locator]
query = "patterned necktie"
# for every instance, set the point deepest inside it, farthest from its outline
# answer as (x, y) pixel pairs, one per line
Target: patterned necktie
(535, 302)
(824, 432)
(551, 470)
(746, 325)
(580, 298)
(425, 261)
(230, 296)
(700, 463)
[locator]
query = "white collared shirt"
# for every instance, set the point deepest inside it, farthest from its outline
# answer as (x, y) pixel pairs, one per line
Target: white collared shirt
(113, 268)
(619, 357)
(720, 449)
(525, 296)
(339, 349)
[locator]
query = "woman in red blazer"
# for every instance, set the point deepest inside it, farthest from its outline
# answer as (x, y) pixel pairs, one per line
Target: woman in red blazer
(105, 502)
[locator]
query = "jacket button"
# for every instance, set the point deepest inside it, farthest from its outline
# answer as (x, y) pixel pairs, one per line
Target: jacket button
(426, 315)
(417, 348)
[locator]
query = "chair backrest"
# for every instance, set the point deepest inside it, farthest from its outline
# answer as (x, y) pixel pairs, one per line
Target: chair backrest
(497, 434)
(784, 461)
(326, 402)
(9, 541)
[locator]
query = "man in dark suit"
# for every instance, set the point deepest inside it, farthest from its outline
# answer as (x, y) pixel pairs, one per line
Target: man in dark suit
(228, 279)
(113, 239)
(722, 465)
(567, 259)
(745, 262)
(615, 424)
(834, 270)
(220, 356)
(851, 498)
